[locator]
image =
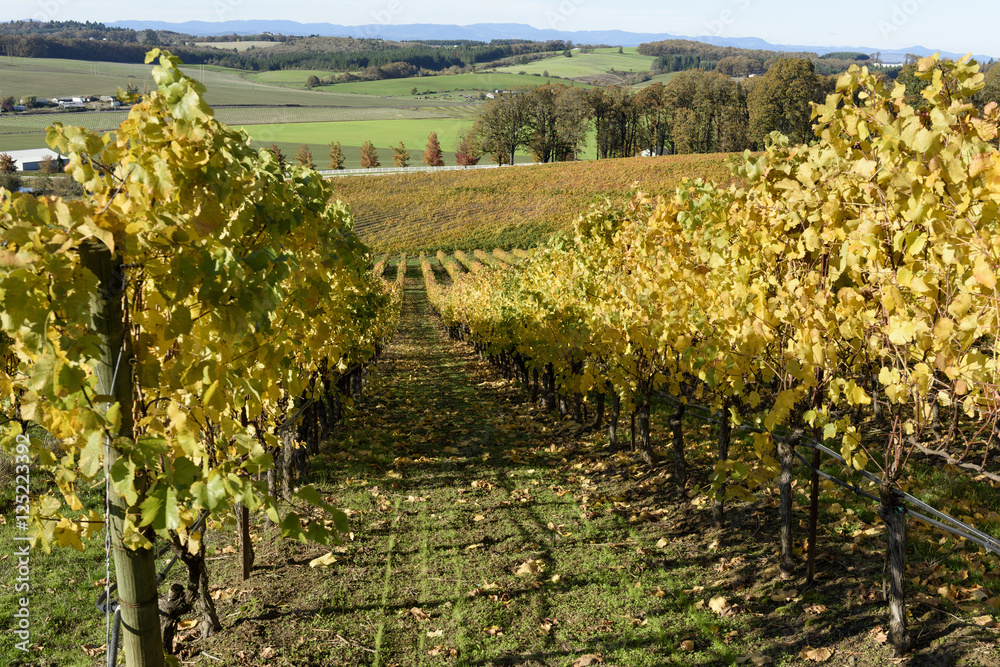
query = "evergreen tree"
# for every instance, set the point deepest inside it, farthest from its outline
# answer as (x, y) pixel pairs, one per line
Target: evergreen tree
(278, 154)
(369, 156)
(468, 152)
(305, 158)
(432, 154)
(336, 156)
(400, 156)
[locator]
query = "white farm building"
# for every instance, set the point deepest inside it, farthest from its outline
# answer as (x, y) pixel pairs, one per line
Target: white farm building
(31, 160)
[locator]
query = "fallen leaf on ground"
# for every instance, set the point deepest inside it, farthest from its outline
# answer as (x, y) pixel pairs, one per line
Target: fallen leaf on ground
(529, 567)
(879, 635)
(816, 654)
(717, 604)
(985, 621)
(267, 652)
(589, 659)
(187, 624)
(436, 633)
(223, 593)
(658, 593)
(479, 517)
(662, 543)
(93, 650)
(323, 561)
(687, 645)
(784, 595)
(493, 631)
(419, 614)
(756, 658)
(815, 609)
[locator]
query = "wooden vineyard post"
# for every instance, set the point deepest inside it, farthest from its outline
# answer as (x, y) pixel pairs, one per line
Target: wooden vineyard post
(786, 455)
(135, 569)
(893, 514)
(725, 435)
(246, 548)
(813, 517)
(243, 522)
(814, 476)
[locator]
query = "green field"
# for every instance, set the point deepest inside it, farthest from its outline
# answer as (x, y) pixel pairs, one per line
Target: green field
(48, 77)
(23, 131)
(659, 78)
(272, 103)
(287, 77)
(239, 46)
(473, 83)
(382, 133)
(585, 64)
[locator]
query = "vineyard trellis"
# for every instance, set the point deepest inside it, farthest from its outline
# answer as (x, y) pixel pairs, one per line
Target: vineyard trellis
(842, 291)
(187, 331)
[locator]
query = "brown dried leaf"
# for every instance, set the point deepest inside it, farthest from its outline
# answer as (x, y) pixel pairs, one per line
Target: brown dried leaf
(878, 635)
(420, 614)
(529, 567)
(816, 654)
(93, 650)
(718, 604)
(588, 660)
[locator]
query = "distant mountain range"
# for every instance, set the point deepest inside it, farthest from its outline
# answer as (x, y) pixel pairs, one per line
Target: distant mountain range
(489, 31)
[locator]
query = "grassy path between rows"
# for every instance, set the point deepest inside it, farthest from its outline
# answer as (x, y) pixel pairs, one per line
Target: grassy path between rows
(476, 539)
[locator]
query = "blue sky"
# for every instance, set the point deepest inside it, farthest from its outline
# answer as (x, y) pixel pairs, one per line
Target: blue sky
(936, 24)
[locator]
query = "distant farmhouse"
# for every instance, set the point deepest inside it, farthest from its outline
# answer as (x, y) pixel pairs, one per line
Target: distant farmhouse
(31, 160)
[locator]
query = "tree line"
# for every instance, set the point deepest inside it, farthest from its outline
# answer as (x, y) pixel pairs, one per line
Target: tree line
(697, 111)
(675, 55)
(466, 154)
(377, 57)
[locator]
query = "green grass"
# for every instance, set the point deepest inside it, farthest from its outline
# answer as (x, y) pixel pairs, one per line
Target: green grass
(352, 154)
(287, 77)
(239, 46)
(661, 78)
(471, 83)
(428, 574)
(585, 64)
(48, 77)
(24, 131)
(383, 133)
